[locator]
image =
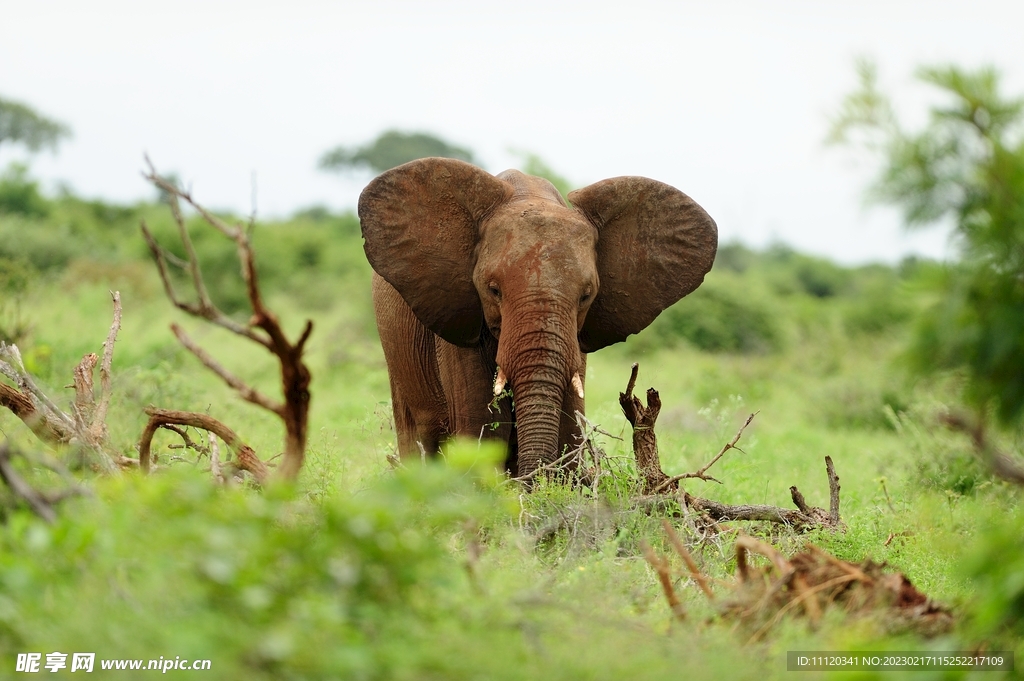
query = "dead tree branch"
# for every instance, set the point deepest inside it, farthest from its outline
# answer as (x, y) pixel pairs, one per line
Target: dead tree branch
(654, 481)
(661, 568)
(1002, 464)
(21, 405)
(22, 489)
(645, 442)
(246, 392)
(86, 425)
(245, 457)
(691, 564)
(702, 472)
(43, 407)
(262, 328)
(816, 581)
(41, 503)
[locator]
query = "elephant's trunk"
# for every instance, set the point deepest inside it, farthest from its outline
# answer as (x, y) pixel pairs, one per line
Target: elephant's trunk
(538, 400)
(539, 364)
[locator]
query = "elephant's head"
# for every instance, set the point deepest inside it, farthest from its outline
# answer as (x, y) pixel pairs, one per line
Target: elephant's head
(474, 254)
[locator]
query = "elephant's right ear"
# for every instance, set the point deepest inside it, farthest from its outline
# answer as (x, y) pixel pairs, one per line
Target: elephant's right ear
(420, 223)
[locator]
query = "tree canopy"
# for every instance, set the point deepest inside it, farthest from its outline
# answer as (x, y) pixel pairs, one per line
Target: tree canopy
(392, 148)
(20, 124)
(965, 165)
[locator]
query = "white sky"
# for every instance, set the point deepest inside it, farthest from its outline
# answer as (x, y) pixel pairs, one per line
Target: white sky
(728, 100)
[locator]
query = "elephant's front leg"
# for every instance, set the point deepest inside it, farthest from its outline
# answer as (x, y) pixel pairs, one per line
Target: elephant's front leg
(467, 377)
(417, 398)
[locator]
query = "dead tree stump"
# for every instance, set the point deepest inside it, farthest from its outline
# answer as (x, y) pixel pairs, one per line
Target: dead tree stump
(645, 441)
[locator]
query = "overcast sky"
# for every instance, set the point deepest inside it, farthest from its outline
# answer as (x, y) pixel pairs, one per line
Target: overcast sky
(728, 101)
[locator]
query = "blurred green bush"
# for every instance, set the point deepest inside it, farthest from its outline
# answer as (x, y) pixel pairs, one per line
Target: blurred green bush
(262, 584)
(725, 314)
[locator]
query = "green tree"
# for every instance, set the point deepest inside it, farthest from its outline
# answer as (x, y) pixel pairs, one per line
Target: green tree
(966, 166)
(392, 148)
(20, 124)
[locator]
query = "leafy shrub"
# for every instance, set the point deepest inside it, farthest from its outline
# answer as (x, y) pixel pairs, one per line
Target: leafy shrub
(736, 257)
(858, 402)
(41, 245)
(19, 195)
(940, 460)
(876, 309)
(264, 585)
(723, 315)
(15, 276)
(996, 564)
(798, 273)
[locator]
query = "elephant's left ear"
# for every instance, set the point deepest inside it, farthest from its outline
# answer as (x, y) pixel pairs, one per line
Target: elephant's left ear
(420, 224)
(655, 244)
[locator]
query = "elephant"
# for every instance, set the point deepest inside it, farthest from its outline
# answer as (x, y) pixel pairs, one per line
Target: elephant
(485, 282)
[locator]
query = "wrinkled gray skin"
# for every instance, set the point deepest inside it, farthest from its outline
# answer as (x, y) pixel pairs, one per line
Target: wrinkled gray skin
(474, 272)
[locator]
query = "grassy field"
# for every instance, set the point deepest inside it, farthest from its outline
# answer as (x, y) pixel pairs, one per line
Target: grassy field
(435, 572)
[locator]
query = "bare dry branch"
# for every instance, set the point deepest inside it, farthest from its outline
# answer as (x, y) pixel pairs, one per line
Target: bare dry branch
(263, 327)
(215, 470)
(100, 417)
(1005, 466)
(22, 406)
(654, 479)
(39, 505)
(833, 491)
(245, 457)
(745, 545)
(645, 442)
(12, 366)
(246, 392)
(85, 399)
(691, 564)
(702, 473)
(205, 311)
(661, 568)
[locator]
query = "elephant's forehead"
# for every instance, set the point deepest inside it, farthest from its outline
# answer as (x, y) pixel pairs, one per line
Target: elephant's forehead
(532, 235)
(526, 187)
(542, 219)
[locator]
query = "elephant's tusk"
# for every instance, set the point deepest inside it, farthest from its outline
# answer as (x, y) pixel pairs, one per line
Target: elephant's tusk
(577, 383)
(499, 382)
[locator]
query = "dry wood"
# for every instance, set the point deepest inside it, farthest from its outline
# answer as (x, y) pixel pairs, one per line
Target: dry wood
(815, 580)
(246, 392)
(41, 503)
(745, 545)
(661, 568)
(645, 442)
(654, 479)
(86, 424)
(215, 469)
(833, 492)
(691, 564)
(21, 405)
(1002, 464)
(22, 489)
(702, 472)
(245, 457)
(12, 366)
(263, 326)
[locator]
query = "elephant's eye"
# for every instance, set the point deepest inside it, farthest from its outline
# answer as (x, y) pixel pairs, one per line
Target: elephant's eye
(494, 291)
(584, 298)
